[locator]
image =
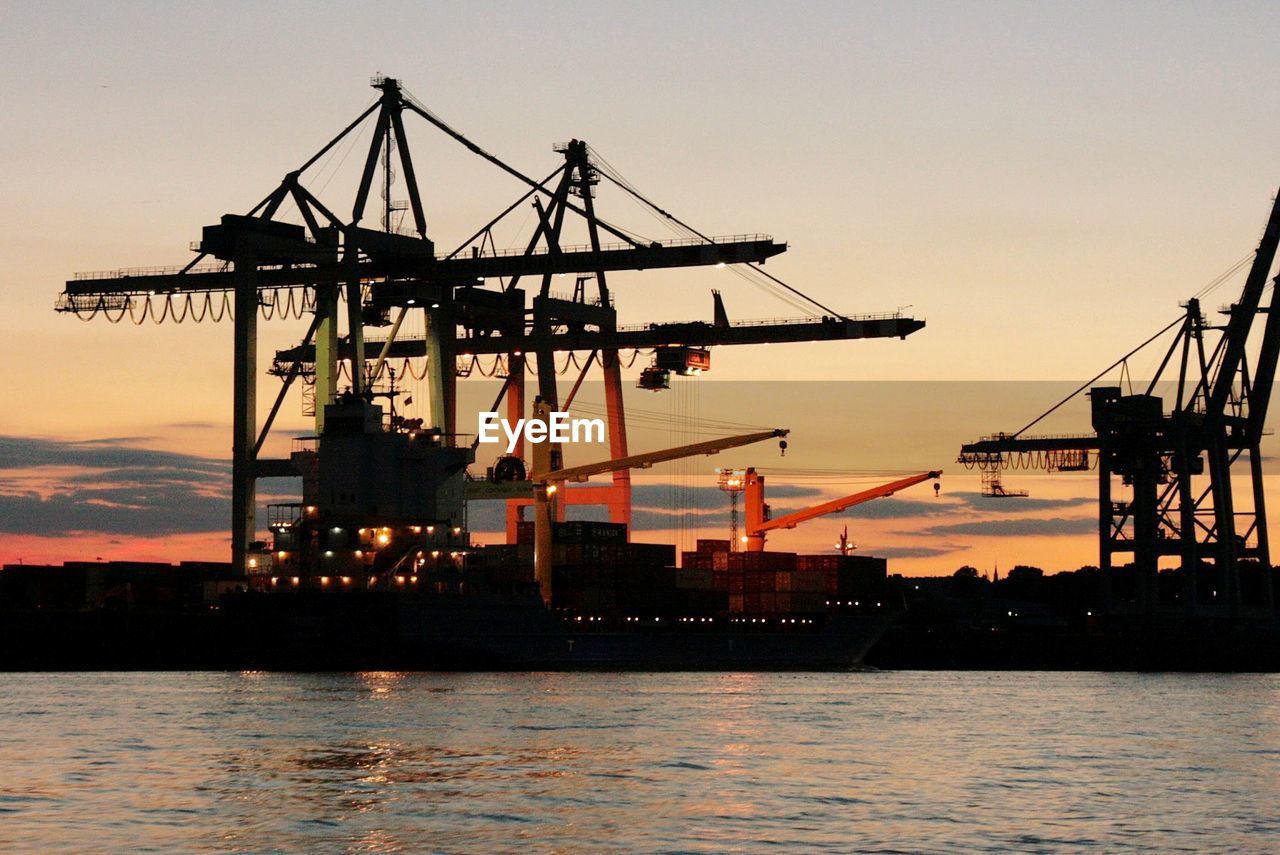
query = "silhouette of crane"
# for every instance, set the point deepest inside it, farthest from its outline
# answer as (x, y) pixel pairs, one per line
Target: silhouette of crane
(1177, 465)
(280, 269)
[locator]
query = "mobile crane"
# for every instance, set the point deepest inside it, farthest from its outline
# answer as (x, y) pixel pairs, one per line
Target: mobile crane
(546, 480)
(759, 523)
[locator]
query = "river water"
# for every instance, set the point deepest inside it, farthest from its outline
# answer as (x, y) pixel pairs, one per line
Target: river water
(384, 762)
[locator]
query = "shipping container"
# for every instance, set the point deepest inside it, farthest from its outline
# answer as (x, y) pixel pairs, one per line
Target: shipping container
(694, 579)
(524, 532)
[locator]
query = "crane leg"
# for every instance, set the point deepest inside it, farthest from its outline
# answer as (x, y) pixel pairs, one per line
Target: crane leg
(244, 403)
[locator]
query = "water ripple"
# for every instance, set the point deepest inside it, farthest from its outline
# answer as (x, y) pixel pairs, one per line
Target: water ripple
(875, 762)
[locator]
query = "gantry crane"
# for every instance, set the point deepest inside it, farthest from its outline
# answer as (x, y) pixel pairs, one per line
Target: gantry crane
(546, 481)
(1178, 463)
(759, 522)
(281, 269)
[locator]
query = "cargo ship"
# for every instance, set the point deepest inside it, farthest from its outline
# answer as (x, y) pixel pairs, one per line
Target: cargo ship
(624, 609)
(375, 569)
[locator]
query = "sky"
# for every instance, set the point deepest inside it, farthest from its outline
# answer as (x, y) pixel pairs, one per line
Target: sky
(1043, 183)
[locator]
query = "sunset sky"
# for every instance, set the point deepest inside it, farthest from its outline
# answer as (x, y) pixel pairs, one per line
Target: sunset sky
(1042, 183)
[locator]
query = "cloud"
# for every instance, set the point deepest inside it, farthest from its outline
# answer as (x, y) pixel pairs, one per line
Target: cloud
(914, 551)
(491, 517)
(114, 488)
(488, 516)
(115, 453)
(946, 504)
(894, 508)
(708, 498)
(979, 502)
(158, 512)
(659, 499)
(652, 506)
(1016, 526)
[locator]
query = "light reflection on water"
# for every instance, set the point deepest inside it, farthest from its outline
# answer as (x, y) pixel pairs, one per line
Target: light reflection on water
(387, 762)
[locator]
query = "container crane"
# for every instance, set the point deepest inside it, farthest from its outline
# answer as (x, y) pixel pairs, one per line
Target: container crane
(255, 265)
(1177, 462)
(757, 512)
(546, 480)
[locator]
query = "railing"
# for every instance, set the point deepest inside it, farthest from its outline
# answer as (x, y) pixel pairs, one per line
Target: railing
(611, 247)
(999, 437)
(84, 302)
(769, 322)
(174, 270)
(130, 272)
(283, 514)
(303, 444)
(568, 298)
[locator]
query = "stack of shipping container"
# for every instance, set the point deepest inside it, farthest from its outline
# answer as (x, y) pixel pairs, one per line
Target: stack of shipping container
(784, 582)
(596, 571)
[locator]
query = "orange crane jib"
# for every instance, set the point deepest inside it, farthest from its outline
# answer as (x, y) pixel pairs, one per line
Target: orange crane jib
(757, 525)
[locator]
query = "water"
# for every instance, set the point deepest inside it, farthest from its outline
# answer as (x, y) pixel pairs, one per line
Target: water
(386, 762)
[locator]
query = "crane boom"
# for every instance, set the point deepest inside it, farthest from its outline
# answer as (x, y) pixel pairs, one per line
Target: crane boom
(1243, 311)
(644, 461)
(758, 522)
(837, 505)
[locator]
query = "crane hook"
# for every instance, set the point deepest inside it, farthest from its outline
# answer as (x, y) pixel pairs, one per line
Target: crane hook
(782, 447)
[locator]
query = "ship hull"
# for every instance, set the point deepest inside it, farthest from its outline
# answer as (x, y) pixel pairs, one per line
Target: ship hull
(313, 632)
